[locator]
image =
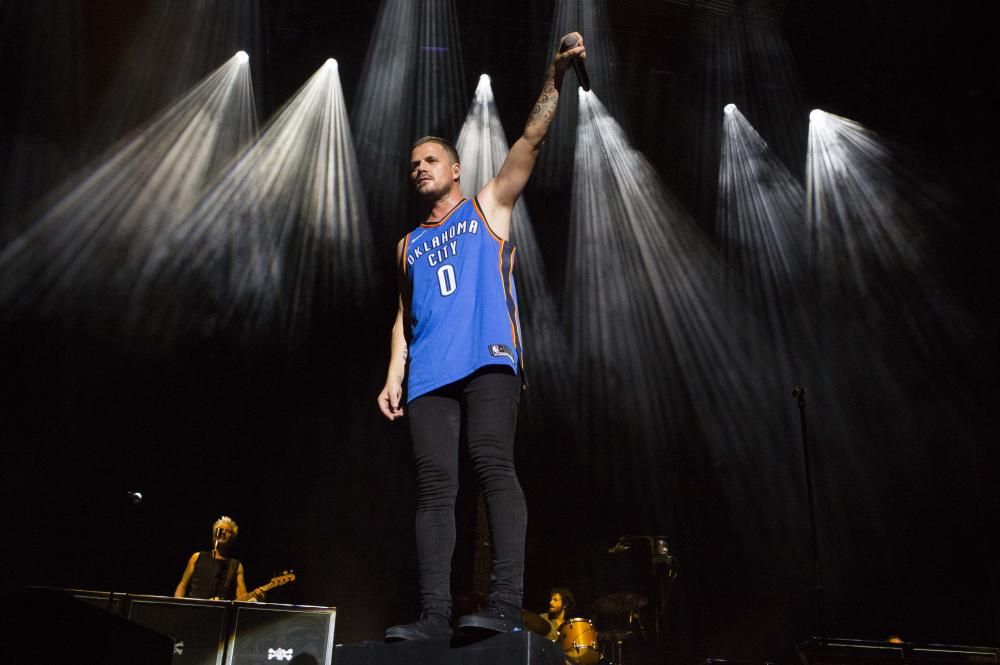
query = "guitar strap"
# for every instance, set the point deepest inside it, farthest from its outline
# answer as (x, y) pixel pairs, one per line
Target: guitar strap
(229, 586)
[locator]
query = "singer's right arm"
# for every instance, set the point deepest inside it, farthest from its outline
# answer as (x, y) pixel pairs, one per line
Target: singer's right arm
(500, 194)
(181, 590)
(391, 397)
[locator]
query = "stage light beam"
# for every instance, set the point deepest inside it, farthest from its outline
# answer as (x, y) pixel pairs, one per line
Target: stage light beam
(653, 330)
(412, 85)
(281, 241)
(174, 44)
(482, 148)
(898, 347)
(759, 219)
(80, 259)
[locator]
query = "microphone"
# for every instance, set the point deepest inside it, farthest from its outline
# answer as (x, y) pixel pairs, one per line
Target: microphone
(578, 66)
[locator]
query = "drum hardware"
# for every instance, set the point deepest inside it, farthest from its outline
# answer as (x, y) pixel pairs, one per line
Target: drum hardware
(634, 619)
(665, 566)
(625, 606)
(615, 637)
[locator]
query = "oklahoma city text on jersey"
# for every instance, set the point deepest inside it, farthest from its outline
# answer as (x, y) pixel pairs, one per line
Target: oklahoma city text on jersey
(441, 246)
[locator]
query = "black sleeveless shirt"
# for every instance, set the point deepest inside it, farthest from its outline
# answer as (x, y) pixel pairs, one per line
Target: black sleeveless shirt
(213, 578)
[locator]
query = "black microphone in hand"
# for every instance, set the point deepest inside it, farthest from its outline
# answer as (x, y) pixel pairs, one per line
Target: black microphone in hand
(581, 70)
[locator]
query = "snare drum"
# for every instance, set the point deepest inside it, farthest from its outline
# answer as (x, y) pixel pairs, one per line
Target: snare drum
(578, 640)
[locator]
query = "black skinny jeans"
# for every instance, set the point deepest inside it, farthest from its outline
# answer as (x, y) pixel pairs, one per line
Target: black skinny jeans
(486, 401)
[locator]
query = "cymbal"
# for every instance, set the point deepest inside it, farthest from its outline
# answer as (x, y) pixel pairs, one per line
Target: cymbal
(535, 623)
(614, 635)
(616, 603)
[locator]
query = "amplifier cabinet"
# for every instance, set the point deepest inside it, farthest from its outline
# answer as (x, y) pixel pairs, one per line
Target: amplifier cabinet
(842, 651)
(99, 599)
(273, 634)
(198, 627)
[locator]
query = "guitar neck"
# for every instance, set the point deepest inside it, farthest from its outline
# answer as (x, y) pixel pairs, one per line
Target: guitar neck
(276, 582)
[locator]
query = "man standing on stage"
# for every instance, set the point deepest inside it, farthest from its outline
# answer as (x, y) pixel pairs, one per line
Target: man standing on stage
(457, 341)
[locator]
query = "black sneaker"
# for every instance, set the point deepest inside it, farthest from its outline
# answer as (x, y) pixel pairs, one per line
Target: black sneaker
(430, 627)
(498, 617)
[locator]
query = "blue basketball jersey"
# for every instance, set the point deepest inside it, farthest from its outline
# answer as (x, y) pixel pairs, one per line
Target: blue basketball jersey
(463, 305)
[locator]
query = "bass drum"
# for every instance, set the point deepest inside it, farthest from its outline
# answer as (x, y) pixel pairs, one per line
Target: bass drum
(578, 640)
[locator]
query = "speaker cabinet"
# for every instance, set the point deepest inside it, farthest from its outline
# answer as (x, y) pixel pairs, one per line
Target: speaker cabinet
(867, 652)
(273, 634)
(198, 627)
(98, 599)
(48, 627)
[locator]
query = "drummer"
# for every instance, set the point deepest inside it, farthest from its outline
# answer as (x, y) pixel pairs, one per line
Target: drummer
(561, 607)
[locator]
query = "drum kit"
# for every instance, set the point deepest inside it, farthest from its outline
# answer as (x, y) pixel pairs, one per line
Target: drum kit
(582, 643)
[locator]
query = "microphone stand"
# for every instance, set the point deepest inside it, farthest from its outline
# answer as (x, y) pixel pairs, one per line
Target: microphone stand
(800, 394)
(134, 499)
(215, 557)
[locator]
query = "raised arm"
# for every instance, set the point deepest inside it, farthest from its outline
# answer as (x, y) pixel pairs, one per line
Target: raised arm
(391, 397)
(500, 194)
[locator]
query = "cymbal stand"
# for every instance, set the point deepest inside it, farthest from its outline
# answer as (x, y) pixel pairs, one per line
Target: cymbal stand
(616, 647)
(799, 393)
(634, 618)
(665, 570)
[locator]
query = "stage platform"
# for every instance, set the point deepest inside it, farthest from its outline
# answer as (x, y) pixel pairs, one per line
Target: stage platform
(521, 648)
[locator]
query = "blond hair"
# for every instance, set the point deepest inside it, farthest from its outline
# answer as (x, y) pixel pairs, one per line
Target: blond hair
(225, 519)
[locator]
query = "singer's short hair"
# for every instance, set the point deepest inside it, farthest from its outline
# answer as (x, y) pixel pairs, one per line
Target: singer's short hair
(228, 521)
(444, 143)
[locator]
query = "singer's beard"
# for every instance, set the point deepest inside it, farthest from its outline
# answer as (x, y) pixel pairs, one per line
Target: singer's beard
(432, 195)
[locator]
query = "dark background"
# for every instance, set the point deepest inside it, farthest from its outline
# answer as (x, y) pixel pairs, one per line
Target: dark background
(289, 443)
